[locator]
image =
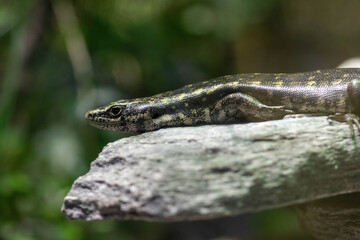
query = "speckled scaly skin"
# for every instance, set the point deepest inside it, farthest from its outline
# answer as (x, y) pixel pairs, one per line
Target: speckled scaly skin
(238, 98)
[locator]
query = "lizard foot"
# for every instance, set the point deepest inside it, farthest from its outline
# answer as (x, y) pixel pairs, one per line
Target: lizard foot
(350, 118)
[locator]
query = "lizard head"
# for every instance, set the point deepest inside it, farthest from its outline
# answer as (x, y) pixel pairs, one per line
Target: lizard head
(138, 115)
(122, 116)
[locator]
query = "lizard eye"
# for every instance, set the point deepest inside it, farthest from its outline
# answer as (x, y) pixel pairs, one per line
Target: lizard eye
(115, 111)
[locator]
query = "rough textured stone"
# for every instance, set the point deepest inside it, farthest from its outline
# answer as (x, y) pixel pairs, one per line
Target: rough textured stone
(212, 171)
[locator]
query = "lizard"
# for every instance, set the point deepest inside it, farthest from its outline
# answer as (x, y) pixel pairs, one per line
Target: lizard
(250, 97)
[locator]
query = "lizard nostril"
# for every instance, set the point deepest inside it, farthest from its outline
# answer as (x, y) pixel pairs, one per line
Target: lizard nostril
(89, 115)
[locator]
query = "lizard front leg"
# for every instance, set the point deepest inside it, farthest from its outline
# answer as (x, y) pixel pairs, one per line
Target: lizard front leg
(350, 118)
(239, 107)
(353, 102)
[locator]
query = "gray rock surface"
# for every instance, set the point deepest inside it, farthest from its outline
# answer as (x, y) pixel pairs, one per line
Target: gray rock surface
(217, 170)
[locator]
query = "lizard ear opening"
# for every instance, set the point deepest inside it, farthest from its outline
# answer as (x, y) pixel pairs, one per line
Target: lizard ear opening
(155, 115)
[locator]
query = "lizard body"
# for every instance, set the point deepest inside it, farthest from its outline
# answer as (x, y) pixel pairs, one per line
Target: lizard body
(237, 98)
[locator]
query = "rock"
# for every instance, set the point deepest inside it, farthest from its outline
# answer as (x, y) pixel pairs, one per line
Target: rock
(218, 170)
(350, 63)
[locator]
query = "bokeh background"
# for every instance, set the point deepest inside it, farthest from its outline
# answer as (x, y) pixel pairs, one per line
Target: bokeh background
(60, 58)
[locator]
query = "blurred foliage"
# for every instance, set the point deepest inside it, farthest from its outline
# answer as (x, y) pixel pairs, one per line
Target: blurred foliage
(61, 58)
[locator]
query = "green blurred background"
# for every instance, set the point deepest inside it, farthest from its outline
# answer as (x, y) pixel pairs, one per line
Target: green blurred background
(60, 58)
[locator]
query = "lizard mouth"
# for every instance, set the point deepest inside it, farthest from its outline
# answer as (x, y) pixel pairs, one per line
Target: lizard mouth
(102, 123)
(98, 121)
